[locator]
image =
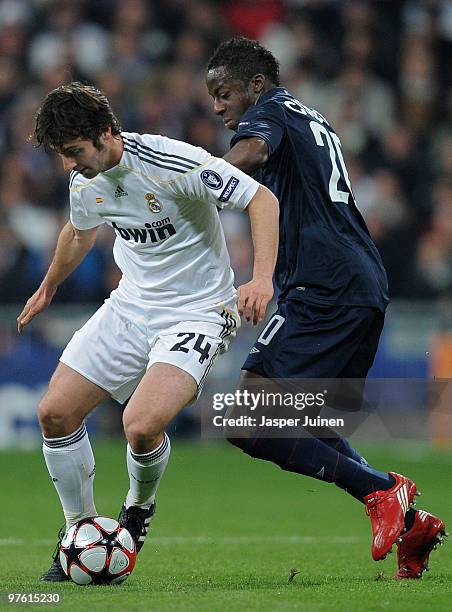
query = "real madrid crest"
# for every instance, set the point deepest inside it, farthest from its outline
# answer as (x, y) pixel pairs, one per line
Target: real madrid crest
(153, 204)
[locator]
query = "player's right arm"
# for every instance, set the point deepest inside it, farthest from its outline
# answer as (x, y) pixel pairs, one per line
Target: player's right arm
(258, 135)
(72, 246)
(248, 154)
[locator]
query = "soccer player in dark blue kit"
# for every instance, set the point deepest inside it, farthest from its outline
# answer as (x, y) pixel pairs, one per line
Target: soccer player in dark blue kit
(332, 287)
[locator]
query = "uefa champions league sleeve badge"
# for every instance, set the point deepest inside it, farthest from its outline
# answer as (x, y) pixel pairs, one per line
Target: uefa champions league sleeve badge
(153, 204)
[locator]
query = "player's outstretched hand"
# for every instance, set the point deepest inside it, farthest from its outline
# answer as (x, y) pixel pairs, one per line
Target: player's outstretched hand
(38, 302)
(253, 298)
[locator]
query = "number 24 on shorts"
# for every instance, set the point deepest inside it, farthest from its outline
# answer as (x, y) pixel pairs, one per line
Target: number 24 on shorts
(197, 346)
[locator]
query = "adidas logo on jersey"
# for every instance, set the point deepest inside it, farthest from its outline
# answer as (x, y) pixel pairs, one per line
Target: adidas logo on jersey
(120, 192)
(254, 350)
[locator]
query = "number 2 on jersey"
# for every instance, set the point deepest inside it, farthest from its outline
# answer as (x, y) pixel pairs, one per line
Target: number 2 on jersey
(334, 146)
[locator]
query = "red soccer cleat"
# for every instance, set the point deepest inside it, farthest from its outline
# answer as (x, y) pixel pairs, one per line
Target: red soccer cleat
(413, 551)
(386, 510)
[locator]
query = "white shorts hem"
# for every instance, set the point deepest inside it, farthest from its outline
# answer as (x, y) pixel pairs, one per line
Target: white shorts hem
(96, 382)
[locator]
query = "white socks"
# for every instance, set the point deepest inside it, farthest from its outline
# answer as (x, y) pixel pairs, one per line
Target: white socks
(70, 462)
(145, 472)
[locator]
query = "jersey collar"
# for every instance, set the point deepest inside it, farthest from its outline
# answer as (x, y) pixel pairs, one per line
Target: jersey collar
(269, 94)
(118, 170)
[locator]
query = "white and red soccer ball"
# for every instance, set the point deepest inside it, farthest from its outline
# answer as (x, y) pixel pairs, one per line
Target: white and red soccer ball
(98, 550)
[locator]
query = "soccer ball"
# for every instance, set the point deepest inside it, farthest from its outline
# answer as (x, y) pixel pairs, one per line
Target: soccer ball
(97, 550)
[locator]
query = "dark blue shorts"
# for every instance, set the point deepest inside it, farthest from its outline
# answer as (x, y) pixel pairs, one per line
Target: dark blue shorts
(309, 341)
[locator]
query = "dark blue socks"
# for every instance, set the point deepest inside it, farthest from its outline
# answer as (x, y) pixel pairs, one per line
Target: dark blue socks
(343, 446)
(314, 457)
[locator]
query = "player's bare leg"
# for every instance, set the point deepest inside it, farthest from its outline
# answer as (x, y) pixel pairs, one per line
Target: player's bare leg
(67, 450)
(162, 393)
(68, 400)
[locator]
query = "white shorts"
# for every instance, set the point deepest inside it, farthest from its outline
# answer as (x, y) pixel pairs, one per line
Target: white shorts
(114, 349)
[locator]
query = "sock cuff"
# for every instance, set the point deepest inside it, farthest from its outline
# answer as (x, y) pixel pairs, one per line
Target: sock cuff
(72, 438)
(154, 456)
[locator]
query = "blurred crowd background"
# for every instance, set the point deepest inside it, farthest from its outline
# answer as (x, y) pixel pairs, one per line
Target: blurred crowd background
(379, 70)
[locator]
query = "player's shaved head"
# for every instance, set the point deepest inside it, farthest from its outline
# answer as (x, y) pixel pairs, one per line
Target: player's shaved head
(73, 111)
(242, 59)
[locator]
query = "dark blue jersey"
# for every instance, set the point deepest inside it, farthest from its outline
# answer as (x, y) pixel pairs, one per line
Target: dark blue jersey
(326, 255)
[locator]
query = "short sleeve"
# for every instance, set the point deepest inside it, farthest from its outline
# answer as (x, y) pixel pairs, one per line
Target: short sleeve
(218, 182)
(263, 121)
(80, 217)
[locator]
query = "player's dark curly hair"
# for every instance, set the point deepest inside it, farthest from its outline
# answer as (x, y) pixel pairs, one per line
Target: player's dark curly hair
(243, 58)
(74, 111)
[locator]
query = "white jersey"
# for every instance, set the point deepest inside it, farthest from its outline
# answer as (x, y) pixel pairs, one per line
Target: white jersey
(161, 200)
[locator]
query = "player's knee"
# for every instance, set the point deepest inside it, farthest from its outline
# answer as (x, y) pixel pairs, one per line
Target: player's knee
(53, 420)
(142, 437)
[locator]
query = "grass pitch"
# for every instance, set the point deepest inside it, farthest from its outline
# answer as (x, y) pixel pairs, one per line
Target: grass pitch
(230, 534)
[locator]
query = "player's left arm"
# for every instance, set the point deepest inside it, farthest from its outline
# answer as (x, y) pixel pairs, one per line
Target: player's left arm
(254, 296)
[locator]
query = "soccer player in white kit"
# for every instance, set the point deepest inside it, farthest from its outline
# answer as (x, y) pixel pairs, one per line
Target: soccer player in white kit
(175, 310)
